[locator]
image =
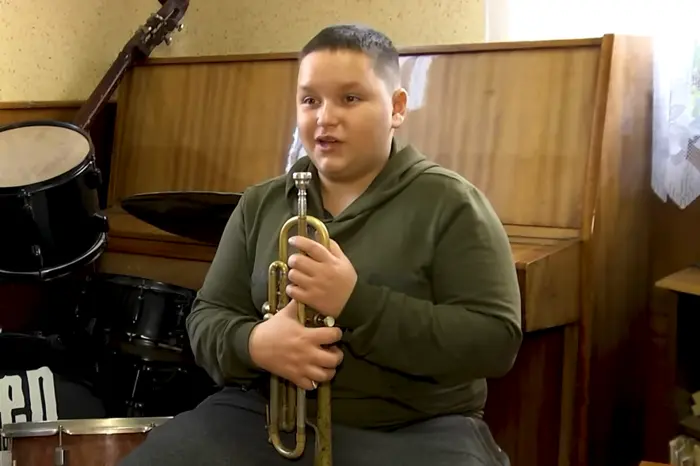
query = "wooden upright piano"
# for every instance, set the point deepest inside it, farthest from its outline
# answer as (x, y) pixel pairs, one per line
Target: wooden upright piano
(557, 134)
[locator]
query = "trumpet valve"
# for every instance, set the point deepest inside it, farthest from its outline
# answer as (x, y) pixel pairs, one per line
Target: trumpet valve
(267, 314)
(324, 321)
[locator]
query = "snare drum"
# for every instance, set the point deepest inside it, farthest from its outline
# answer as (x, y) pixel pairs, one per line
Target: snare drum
(80, 442)
(49, 204)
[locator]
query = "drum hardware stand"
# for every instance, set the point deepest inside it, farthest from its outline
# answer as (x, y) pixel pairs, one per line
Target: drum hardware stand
(133, 407)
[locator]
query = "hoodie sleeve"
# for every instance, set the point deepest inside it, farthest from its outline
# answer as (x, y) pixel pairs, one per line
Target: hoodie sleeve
(223, 314)
(472, 328)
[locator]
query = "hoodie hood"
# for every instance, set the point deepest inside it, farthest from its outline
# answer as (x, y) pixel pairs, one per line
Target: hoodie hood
(404, 165)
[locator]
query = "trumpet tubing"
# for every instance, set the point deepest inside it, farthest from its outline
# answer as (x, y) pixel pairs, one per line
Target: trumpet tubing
(287, 407)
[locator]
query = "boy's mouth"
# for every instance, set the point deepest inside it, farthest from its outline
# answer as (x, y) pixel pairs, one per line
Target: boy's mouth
(327, 142)
(326, 139)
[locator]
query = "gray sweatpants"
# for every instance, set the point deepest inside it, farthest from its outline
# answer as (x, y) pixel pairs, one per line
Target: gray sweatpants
(228, 428)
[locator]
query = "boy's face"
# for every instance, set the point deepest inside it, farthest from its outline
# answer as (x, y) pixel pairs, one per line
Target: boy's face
(346, 113)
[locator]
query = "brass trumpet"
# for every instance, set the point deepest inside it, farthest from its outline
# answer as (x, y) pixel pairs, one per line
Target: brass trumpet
(287, 406)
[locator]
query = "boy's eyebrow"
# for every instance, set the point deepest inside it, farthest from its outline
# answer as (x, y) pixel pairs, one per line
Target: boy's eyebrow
(346, 86)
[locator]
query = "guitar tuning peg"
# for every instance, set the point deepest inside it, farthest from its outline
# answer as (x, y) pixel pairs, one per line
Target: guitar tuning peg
(168, 40)
(180, 27)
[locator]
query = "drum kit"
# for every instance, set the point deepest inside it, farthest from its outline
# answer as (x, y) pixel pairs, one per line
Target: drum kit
(85, 355)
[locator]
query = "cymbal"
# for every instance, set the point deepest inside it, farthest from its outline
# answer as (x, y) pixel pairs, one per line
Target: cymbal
(197, 215)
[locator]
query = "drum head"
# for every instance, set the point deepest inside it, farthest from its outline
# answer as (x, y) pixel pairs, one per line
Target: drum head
(35, 152)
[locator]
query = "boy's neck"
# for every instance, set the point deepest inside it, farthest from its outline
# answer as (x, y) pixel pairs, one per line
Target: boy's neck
(338, 195)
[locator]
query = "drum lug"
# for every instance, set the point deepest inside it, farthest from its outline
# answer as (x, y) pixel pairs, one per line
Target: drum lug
(59, 456)
(29, 210)
(26, 203)
(139, 308)
(102, 222)
(36, 250)
(93, 179)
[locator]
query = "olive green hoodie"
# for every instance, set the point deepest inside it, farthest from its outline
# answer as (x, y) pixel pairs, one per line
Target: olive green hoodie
(435, 311)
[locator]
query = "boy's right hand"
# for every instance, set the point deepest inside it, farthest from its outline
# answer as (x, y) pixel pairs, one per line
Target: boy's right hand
(284, 347)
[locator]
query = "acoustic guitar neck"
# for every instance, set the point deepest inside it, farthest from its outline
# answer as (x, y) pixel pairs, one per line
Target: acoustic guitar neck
(104, 90)
(153, 32)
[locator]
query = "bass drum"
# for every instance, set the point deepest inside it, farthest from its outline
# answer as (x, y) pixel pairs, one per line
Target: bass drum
(52, 224)
(43, 381)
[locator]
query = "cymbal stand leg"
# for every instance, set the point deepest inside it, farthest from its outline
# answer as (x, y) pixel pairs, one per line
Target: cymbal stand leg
(135, 407)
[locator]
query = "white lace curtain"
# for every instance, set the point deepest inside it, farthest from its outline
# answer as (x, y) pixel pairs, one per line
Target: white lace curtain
(675, 27)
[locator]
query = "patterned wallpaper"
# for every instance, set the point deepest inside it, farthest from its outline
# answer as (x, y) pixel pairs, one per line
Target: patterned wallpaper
(58, 50)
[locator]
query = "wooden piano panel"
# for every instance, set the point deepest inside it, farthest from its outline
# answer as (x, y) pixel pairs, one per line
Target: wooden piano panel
(187, 273)
(215, 127)
(515, 123)
(132, 236)
(226, 124)
(549, 278)
(548, 270)
(173, 140)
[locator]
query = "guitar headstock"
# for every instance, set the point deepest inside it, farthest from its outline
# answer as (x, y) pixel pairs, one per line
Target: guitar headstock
(158, 28)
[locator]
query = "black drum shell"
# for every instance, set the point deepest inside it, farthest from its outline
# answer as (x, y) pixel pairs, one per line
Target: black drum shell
(51, 227)
(140, 311)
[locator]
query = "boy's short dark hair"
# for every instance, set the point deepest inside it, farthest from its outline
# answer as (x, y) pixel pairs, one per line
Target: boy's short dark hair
(371, 42)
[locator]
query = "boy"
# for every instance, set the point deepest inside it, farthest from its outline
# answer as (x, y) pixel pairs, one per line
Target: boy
(419, 279)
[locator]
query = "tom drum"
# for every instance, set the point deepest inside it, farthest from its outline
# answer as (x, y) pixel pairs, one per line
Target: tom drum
(49, 205)
(140, 311)
(79, 442)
